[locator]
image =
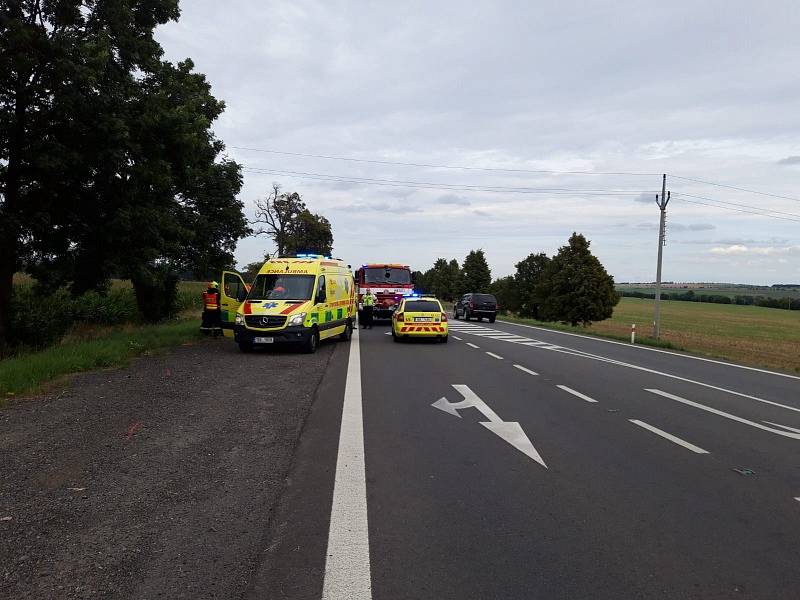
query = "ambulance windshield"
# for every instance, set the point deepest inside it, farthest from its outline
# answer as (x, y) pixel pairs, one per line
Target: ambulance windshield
(282, 287)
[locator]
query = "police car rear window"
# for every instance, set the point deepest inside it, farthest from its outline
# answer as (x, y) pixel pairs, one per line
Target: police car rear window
(422, 306)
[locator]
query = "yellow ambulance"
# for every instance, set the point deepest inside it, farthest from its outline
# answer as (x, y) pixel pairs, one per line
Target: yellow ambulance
(300, 300)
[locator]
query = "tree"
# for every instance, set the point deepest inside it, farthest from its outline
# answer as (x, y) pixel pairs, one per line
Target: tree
(476, 275)
(108, 164)
(576, 287)
(275, 216)
(292, 227)
(527, 278)
(506, 291)
(310, 233)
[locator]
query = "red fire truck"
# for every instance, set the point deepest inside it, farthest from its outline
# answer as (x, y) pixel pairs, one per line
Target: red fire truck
(388, 282)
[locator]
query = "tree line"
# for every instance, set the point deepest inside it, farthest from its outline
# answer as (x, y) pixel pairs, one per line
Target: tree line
(109, 166)
(570, 287)
(739, 299)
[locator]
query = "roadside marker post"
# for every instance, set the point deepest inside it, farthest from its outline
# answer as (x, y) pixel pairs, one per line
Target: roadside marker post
(633, 333)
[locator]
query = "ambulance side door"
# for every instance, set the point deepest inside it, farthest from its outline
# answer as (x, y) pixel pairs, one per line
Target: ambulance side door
(232, 293)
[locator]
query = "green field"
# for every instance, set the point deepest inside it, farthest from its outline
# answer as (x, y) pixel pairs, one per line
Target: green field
(753, 335)
(718, 290)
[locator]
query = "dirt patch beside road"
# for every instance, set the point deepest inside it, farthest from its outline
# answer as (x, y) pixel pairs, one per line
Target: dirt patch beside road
(152, 481)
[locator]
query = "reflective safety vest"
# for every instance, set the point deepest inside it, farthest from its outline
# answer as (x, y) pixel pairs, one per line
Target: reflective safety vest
(368, 300)
(210, 301)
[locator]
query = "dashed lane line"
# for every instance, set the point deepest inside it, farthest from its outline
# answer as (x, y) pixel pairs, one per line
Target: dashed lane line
(347, 566)
(493, 355)
(471, 345)
(669, 436)
(455, 337)
(525, 370)
(576, 394)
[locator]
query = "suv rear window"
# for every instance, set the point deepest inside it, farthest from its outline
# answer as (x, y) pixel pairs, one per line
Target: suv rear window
(485, 298)
(422, 306)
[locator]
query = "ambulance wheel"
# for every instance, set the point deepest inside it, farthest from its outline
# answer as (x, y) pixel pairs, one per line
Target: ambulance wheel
(246, 347)
(347, 333)
(311, 344)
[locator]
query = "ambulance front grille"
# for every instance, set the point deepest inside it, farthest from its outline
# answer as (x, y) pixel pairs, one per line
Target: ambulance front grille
(265, 321)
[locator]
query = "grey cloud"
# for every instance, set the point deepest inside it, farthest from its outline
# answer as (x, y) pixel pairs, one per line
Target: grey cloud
(379, 207)
(645, 198)
(790, 160)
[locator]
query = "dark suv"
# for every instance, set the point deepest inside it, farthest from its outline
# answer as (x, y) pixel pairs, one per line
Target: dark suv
(478, 306)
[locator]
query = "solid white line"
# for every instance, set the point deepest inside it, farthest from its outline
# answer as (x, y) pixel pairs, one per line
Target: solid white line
(782, 426)
(795, 436)
(471, 345)
(347, 569)
(669, 436)
(649, 349)
(455, 337)
(574, 393)
(493, 355)
(528, 371)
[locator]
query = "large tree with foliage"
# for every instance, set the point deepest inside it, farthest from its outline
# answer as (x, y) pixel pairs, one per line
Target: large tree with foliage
(506, 291)
(292, 227)
(476, 275)
(443, 279)
(575, 287)
(529, 275)
(107, 160)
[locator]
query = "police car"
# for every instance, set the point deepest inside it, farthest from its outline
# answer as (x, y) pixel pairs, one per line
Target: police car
(419, 317)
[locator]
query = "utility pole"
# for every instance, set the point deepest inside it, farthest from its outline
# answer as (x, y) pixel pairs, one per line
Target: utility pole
(662, 233)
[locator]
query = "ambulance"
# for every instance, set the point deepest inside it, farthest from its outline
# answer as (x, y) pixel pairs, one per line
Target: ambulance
(299, 300)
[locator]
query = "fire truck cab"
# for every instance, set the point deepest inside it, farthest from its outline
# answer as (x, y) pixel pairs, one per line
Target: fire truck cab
(388, 282)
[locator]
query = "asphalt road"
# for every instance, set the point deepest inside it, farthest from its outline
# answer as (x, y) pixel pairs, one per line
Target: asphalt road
(572, 468)
(510, 463)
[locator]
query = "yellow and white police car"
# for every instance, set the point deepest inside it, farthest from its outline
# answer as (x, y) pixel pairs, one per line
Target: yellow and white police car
(419, 317)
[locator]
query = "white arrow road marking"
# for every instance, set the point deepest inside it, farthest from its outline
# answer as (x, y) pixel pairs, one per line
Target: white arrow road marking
(669, 436)
(510, 431)
(794, 436)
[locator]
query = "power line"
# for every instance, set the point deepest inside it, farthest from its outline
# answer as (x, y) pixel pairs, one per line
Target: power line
(758, 208)
(733, 187)
(433, 166)
(332, 178)
(443, 186)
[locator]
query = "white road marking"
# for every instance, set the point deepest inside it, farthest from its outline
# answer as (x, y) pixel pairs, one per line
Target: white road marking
(510, 431)
(797, 498)
(388, 333)
(577, 394)
(347, 567)
(669, 436)
(588, 355)
(471, 345)
(523, 369)
(794, 436)
(455, 337)
(493, 355)
(782, 426)
(649, 349)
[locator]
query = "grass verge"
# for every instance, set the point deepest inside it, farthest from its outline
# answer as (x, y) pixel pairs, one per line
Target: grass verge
(750, 335)
(112, 348)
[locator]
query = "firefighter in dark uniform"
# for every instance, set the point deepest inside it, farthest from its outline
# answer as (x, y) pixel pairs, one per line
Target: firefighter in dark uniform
(368, 300)
(212, 315)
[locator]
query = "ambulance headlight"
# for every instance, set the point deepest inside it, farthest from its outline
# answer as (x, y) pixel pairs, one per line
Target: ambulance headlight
(239, 320)
(297, 319)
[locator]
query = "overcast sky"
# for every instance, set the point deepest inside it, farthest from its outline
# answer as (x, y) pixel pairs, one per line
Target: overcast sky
(704, 90)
